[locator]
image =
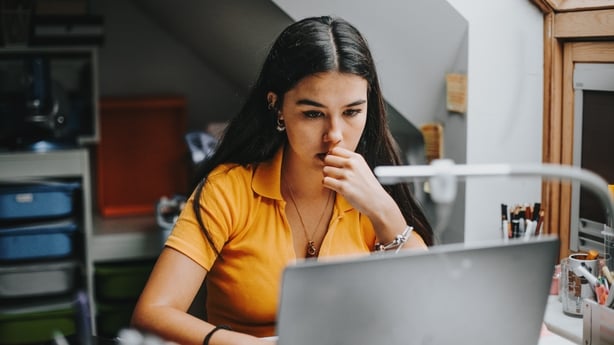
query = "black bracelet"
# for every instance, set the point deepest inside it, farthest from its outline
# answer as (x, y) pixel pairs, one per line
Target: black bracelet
(215, 329)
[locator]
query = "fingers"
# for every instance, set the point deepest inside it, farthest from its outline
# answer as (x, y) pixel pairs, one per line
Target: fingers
(339, 167)
(334, 176)
(341, 152)
(342, 158)
(343, 169)
(336, 170)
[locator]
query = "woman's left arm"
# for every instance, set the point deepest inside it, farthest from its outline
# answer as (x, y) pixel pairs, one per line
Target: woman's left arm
(347, 173)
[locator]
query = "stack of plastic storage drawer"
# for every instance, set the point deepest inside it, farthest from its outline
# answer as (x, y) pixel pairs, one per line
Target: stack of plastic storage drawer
(40, 268)
(118, 286)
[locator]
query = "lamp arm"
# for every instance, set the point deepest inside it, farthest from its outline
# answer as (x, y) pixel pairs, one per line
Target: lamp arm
(590, 180)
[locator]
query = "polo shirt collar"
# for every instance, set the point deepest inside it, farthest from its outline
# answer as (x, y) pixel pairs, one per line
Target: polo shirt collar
(267, 177)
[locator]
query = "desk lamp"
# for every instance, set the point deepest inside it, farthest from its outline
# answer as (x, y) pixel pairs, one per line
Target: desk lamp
(442, 175)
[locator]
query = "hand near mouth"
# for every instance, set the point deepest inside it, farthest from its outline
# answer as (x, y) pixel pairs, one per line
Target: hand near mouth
(347, 173)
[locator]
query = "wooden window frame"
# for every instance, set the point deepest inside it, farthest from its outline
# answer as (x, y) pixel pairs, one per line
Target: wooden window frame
(574, 31)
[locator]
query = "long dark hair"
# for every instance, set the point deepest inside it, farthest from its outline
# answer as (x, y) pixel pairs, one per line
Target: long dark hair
(309, 46)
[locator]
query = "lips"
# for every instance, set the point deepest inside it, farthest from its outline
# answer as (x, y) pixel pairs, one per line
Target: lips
(322, 155)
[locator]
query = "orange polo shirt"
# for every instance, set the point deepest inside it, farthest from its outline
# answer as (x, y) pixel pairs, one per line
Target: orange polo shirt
(244, 211)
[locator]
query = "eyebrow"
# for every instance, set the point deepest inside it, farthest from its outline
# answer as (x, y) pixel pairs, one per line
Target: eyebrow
(316, 104)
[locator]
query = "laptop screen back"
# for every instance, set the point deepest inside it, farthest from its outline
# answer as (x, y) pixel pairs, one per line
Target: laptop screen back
(491, 293)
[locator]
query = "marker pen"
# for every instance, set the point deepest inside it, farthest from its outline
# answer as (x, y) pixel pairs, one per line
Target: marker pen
(610, 301)
(540, 221)
(530, 229)
(536, 210)
(521, 223)
(504, 230)
(504, 221)
(527, 212)
(515, 224)
(607, 274)
(581, 270)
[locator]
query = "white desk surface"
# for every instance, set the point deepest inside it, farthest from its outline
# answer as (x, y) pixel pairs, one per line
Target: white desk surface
(561, 328)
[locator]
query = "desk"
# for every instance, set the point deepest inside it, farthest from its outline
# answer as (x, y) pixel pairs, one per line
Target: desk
(559, 329)
(568, 327)
(547, 338)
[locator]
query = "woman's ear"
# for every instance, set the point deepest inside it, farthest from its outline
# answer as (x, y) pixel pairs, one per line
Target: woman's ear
(271, 99)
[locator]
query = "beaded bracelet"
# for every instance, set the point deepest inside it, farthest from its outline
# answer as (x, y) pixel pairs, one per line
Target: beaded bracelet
(397, 242)
(215, 329)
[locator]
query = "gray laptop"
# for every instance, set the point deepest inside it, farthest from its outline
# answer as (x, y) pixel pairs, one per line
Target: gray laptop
(489, 293)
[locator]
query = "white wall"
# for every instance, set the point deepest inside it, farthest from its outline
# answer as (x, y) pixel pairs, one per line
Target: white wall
(505, 98)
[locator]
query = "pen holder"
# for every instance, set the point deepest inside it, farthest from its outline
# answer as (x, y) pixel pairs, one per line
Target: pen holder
(564, 283)
(576, 288)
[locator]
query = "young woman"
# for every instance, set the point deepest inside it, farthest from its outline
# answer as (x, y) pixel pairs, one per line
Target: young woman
(291, 179)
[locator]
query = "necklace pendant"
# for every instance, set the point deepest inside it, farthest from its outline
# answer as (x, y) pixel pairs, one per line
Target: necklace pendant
(311, 249)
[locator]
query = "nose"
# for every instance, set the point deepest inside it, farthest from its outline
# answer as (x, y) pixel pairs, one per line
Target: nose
(333, 134)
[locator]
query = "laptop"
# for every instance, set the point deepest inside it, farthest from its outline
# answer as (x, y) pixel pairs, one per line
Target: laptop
(488, 293)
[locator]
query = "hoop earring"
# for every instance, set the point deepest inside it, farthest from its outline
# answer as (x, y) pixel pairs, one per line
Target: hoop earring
(281, 126)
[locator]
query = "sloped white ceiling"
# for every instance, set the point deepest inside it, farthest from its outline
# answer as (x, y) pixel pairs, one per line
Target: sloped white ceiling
(415, 43)
(230, 36)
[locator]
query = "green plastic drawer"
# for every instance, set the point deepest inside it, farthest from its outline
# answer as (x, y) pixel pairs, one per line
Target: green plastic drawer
(36, 322)
(121, 280)
(111, 318)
